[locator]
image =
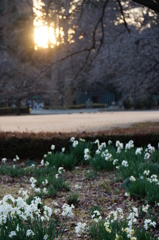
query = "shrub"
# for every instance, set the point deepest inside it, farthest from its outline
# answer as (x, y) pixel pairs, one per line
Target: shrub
(128, 103)
(14, 111)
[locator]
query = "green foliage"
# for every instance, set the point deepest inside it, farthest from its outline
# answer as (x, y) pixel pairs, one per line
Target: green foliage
(99, 163)
(72, 198)
(117, 231)
(97, 231)
(152, 192)
(52, 191)
(11, 171)
(137, 188)
(57, 160)
(152, 167)
(93, 208)
(39, 228)
(144, 235)
(40, 173)
(78, 152)
(126, 172)
(145, 173)
(155, 158)
(57, 183)
(68, 162)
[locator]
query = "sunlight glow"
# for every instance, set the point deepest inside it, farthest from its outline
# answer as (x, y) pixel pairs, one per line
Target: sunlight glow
(45, 36)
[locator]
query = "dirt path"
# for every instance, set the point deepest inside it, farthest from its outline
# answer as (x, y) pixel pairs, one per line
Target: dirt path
(75, 122)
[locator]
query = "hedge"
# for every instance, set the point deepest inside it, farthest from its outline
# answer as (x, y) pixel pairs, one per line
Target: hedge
(14, 111)
(34, 146)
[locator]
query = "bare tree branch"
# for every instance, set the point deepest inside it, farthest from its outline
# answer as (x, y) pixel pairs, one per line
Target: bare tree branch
(100, 21)
(123, 16)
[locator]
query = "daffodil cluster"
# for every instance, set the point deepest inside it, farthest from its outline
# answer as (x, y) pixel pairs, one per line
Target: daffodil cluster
(18, 212)
(80, 229)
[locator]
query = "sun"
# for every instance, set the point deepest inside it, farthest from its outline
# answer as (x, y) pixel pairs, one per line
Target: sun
(44, 36)
(41, 37)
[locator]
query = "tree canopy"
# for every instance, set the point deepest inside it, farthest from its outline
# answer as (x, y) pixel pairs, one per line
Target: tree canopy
(99, 44)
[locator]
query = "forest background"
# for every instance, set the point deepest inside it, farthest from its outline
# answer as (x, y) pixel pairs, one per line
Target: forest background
(95, 46)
